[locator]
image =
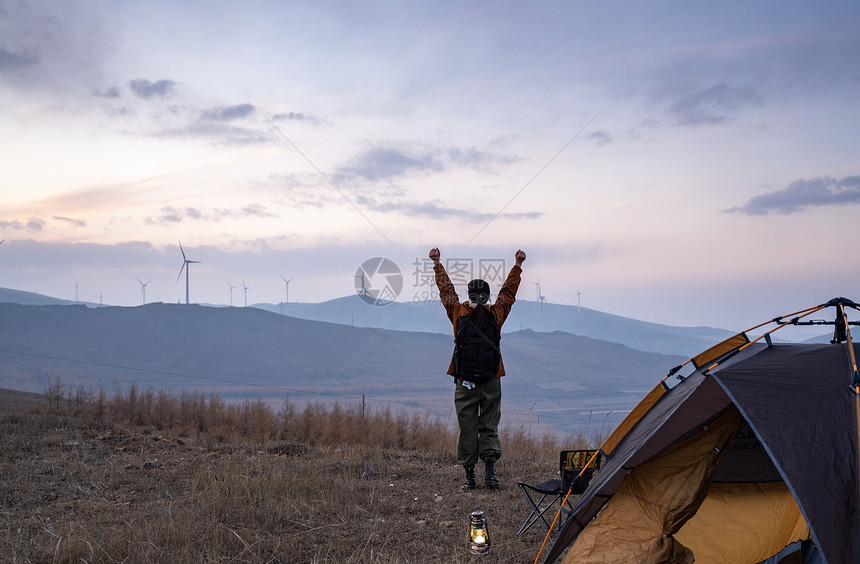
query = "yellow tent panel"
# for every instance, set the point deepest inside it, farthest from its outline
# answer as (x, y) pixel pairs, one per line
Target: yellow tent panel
(743, 523)
(654, 501)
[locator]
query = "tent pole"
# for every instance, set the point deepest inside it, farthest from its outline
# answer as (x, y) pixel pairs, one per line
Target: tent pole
(857, 415)
(855, 384)
(809, 311)
(778, 320)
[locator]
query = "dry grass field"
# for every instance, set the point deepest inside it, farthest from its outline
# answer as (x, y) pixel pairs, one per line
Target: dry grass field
(12, 401)
(146, 477)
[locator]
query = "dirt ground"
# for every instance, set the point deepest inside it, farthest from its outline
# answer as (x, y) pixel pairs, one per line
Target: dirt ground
(72, 492)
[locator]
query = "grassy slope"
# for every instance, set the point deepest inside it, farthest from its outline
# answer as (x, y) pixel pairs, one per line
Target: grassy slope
(12, 401)
(76, 490)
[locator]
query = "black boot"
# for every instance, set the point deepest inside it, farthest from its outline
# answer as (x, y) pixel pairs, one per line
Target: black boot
(471, 481)
(490, 478)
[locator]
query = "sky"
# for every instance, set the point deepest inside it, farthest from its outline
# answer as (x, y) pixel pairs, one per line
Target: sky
(676, 162)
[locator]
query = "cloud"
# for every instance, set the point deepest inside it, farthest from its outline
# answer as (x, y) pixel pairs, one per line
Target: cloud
(33, 224)
(146, 89)
(71, 221)
(193, 213)
(801, 195)
(434, 209)
(10, 60)
(380, 163)
(600, 138)
(255, 210)
(169, 215)
(239, 111)
(476, 159)
(218, 132)
(49, 47)
(296, 116)
(112, 92)
(218, 124)
(15, 225)
(251, 210)
(38, 225)
(713, 105)
(230, 124)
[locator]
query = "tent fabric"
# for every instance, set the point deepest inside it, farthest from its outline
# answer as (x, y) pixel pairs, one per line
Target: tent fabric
(798, 401)
(689, 404)
(800, 430)
(746, 461)
(727, 527)
(655, 500)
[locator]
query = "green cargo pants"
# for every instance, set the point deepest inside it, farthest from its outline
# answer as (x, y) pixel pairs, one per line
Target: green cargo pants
(478, 414)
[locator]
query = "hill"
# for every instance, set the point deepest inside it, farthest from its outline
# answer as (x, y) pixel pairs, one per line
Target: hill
(566, 380)
(14, 401)
(29, 298)
(430, 317)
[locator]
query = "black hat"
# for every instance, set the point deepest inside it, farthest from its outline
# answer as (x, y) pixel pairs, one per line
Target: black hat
(480, 290)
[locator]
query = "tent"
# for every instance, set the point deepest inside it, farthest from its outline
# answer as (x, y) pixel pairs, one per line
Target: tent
(751, 457)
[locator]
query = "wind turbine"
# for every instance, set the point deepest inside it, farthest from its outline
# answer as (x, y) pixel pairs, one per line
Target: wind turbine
(245, 288)
(363, 295)
(143, 289)
(230, 292)
(541, 299)
(286, 291)
(363, 287)
(185, 263)
(578, 302)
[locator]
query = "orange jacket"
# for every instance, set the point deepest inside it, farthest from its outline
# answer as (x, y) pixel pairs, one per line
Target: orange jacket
(457, 310)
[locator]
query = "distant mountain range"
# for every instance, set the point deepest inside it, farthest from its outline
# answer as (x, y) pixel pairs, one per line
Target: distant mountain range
(568, 381)
(547, 317)
(429, 316)
(586, 369)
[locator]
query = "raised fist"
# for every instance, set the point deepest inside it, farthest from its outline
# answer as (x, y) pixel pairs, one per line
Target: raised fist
(520, 257)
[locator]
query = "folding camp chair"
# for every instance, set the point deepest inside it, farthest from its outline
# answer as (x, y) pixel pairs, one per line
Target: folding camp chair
(573, 476)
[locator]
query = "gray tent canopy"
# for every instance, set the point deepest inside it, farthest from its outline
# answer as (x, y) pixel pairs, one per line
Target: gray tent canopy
(752, 455)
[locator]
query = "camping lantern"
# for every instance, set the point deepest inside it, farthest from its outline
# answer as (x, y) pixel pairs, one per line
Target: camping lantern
(479, 536)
